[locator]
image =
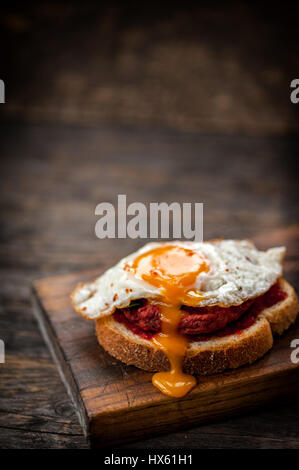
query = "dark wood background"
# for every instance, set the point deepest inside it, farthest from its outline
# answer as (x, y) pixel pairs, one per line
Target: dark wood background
(161, 104)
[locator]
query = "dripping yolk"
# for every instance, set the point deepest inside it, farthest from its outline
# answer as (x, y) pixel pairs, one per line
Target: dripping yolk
(173, 270)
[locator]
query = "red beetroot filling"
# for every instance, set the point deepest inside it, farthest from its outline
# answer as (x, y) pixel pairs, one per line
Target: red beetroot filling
(144, 321)
(209, 319)
(200, 323)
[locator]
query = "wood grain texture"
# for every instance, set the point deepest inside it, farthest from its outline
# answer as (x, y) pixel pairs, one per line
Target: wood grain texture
(118, 403)
(198, 67)
(52, 177)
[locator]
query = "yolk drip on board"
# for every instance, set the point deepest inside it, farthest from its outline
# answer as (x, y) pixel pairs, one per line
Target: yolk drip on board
(173, 270)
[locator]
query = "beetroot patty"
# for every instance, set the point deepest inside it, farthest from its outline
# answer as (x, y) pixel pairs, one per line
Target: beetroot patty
(145, 319)
(206, 320)
(196, 321)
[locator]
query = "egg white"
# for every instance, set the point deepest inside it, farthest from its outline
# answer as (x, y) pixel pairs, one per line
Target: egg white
(238, 271)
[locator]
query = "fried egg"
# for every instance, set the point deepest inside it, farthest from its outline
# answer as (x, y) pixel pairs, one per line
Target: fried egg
(222, 272)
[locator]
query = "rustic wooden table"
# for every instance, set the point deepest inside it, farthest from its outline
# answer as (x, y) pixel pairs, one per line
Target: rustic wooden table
(52, 177)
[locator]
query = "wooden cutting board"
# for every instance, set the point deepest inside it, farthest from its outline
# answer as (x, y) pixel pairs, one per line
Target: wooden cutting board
(117, 403)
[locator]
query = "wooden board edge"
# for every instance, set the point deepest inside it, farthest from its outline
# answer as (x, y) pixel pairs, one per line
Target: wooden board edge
(60, 361)
(105, 433)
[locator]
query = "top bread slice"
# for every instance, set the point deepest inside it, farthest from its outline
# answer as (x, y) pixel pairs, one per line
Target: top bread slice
(203, 357)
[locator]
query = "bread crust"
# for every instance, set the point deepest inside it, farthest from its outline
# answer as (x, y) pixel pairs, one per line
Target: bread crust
(284, 313)
(203, 357)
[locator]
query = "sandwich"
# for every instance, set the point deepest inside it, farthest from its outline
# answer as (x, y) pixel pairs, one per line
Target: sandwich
(182, 309)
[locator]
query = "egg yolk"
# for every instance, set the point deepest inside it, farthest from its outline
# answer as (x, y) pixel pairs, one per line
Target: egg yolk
(172, 269)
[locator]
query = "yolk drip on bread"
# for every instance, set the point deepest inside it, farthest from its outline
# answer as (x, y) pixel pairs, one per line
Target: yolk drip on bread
(172, 269)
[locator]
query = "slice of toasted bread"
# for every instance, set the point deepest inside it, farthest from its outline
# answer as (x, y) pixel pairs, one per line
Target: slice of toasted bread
(203, 357)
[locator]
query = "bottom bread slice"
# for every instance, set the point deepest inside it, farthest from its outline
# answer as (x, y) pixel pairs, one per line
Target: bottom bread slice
(203, 357)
